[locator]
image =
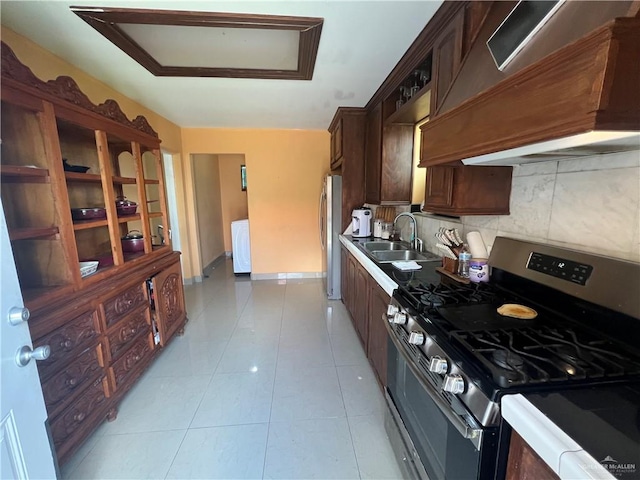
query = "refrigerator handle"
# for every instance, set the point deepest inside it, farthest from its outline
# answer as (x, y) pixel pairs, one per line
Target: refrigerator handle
(321, 220)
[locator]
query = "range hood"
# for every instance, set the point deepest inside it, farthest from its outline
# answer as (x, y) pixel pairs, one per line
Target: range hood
(581, 100)
(575, 146)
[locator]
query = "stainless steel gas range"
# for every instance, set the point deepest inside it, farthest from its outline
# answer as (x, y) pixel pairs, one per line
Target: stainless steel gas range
(452, 356)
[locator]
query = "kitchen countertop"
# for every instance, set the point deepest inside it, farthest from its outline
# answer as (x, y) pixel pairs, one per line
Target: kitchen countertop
(387, 276)
(584, 433)
(575, 432)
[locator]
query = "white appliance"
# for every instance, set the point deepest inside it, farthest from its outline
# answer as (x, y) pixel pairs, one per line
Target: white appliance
(241, 246)
(361, 222)
(330, 225)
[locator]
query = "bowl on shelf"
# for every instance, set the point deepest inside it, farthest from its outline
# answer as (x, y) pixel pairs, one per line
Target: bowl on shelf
(126, 207)
(105, 260)
(88, 268)
(91, 213)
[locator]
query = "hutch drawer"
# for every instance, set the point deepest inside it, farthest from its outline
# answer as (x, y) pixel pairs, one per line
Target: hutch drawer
(63, 387)
(72, 337)
(136, 357)
(123, 303)
(126, 330)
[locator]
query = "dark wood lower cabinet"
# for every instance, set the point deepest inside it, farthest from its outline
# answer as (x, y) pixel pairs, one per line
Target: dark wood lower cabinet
(378, 336)
(361, 304)
(525, 464)
(101, 339)
(366, 302)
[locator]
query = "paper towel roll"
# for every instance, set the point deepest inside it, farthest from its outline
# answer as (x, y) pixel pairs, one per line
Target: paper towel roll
(476, 245)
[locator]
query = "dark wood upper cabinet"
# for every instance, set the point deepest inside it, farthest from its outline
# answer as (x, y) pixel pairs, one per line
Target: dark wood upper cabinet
(447, 53)
(389, 160)
(468, 190)
(347, 157)
(336, 145)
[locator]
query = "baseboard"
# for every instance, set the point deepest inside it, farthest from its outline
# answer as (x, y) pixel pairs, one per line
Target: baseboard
(285, 276)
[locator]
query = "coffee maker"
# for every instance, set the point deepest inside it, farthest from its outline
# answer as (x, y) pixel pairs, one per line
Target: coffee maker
(361, 222)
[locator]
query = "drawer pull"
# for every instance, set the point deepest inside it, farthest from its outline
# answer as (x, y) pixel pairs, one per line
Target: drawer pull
(67, 344)
(78, 417)
(132, 331)
(71, 382)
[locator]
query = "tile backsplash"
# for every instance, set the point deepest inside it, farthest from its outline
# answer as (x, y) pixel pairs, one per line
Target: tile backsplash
(590, 204)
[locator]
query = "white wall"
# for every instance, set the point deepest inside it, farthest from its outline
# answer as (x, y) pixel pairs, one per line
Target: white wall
(590, 204)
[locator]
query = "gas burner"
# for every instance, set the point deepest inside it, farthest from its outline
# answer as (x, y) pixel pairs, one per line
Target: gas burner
(574, 356)
(507, 360)
(432, 300)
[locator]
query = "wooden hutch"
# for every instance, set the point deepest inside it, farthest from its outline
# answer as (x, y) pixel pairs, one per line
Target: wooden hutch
(103, 329)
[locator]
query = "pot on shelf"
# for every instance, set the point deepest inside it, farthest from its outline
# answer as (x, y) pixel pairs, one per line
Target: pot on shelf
(133, 242)
(92, 213)
(125, 207)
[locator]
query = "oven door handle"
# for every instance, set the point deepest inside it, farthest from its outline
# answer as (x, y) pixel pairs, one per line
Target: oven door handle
(464, 426)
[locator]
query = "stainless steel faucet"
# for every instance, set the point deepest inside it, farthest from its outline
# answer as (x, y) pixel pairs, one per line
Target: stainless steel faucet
(415, 242)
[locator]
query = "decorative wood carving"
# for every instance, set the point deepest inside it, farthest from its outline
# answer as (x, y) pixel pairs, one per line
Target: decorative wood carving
(124, 303)
(127, 330)
(73, 418)
(59, 390)
(172, 306)
(77, 333)
(66, 89)
(135, 356)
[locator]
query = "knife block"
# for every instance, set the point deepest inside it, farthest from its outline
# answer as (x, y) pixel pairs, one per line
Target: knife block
(450, 265)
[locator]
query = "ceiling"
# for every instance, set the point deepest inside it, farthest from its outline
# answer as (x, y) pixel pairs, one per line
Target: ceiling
(360, 44)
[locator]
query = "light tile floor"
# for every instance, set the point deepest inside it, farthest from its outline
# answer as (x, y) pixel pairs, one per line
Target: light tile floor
(268, 381)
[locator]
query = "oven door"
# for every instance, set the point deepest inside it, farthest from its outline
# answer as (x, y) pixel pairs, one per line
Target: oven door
(441, 443)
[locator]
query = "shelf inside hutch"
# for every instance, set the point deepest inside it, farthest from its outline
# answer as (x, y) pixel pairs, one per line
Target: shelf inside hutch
(27, 233)
(15, 173)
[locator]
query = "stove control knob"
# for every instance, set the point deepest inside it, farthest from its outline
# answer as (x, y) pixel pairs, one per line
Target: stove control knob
(453, 384)
(416, 338)
(438, 365)
(392, 310)
(400, 318)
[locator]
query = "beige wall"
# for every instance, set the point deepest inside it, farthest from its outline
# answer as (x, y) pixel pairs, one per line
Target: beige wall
(234, 200)
(206, 173)
(47, 66)
(284, 175)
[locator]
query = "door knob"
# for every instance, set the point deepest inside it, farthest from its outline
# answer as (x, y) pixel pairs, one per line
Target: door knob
(25, 354)
(17, 315)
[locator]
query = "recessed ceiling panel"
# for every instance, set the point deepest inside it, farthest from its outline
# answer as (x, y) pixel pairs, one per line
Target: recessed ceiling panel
(205, 44)
(174, 45)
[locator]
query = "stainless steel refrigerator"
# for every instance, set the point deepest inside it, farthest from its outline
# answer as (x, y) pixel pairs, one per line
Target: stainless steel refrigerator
(330, 223)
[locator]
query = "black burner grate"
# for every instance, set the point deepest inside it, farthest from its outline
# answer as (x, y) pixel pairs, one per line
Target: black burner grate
(545, 354)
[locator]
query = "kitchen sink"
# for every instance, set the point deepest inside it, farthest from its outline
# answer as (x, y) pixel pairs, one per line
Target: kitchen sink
(377, 246)
(387, 256)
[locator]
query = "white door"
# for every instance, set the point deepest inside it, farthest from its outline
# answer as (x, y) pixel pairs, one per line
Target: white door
(25, 451)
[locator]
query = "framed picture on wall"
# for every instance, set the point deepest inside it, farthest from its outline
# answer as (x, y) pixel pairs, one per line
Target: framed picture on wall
(243, 177)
